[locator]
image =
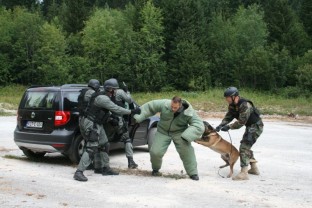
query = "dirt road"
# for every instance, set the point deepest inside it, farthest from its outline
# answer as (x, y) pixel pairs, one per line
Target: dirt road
(284, 152)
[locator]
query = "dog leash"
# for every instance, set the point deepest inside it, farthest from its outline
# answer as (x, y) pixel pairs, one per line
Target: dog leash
(230, 154)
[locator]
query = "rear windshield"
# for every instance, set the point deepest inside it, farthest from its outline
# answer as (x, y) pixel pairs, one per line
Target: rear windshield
(42, 100)
(71, 100)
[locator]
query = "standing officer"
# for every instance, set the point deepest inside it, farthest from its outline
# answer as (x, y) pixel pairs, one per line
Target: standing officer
(178, 123)
(91, 127)
(247, 115)
(83, 103)
(121, 97)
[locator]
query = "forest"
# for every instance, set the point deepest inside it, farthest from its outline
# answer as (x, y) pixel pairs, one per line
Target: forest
(159, 45)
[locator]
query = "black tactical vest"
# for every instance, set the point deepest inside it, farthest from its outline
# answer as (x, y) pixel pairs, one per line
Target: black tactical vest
(97, 114)
(254, 116)
(121, 103)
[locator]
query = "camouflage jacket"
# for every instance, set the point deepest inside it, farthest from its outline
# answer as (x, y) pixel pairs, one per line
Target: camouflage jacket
(243, 113)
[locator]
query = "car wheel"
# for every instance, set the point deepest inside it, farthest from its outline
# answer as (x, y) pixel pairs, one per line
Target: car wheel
(76, 149)
(150, 137)
(33, 155)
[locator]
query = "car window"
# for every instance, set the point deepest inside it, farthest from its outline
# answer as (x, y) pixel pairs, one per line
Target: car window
(42, 100)
(70, 100)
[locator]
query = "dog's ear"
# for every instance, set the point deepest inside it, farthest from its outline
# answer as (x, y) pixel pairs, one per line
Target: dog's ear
(208, 126)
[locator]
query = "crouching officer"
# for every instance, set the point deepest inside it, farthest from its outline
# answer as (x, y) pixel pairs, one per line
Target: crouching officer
(122, 96)
(178, 123)
(247, 115)
(91, 127)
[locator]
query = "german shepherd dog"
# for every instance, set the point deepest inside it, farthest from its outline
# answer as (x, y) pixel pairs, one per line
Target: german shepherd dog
(214, 141)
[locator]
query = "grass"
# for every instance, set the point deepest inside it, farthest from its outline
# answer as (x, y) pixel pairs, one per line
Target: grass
(209, 101)
(213, 101)
(10, 96)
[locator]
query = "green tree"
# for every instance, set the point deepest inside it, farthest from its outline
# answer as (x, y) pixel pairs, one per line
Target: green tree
(285, 27)
(102, 41)
(5, 46)
(74, 13)
(149, 70)
(304, 72)
(51, 8)
(26, 27)
(304, 77)
(10, 4)
(50, 57)
(306, 16)
(231, 40)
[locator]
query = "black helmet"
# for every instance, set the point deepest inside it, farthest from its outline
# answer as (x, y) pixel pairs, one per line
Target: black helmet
(94, 84)
(231, 91)
(111, 84)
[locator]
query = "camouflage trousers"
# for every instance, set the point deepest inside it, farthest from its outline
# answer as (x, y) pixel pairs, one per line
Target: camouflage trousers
(120, 133)
(250, 137)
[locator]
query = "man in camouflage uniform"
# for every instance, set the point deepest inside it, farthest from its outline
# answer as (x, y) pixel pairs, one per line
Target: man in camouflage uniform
(91, 127)
(247, 115)
(121, 97)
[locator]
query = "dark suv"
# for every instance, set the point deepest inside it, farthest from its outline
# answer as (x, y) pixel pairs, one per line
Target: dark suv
(47, 122)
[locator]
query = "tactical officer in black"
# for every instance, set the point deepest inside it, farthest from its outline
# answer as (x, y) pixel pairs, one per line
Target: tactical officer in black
(120, 130)
(85, 96)
(246, 114)
(91, 127)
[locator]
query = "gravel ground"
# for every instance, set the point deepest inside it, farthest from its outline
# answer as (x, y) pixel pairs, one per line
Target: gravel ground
(283, 151)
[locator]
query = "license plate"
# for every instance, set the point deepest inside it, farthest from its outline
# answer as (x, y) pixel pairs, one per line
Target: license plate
(34, 124)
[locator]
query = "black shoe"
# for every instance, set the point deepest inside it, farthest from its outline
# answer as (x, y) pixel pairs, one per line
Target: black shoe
(109, 171)
(131, 163)
(98, 170)
(79, 176)
(156, 173)
(194, 177)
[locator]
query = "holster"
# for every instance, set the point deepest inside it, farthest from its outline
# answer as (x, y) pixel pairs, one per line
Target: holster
(93, 136)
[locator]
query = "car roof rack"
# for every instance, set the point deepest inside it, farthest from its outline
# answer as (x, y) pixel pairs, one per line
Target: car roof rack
(35, 86)
(73, 85)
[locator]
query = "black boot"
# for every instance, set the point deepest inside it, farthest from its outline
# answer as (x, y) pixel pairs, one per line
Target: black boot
(131, 163)
(109, 171)
(194, 177)
(156, 173)
(79, 176)
(98, 170)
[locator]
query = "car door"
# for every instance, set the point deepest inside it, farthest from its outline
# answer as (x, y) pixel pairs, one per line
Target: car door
(36, 111)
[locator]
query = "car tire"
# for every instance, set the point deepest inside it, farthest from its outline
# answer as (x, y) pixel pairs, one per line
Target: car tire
(150, 137)
(33, 155)
(76, 149)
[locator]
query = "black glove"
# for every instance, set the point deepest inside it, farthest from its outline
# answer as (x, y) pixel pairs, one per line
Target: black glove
(218, 128)
(225, 128)
(136, 111)
(184, 139)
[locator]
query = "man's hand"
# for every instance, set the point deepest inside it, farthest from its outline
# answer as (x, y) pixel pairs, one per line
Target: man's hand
(136, 111)
(225, 128)
(218, 128)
